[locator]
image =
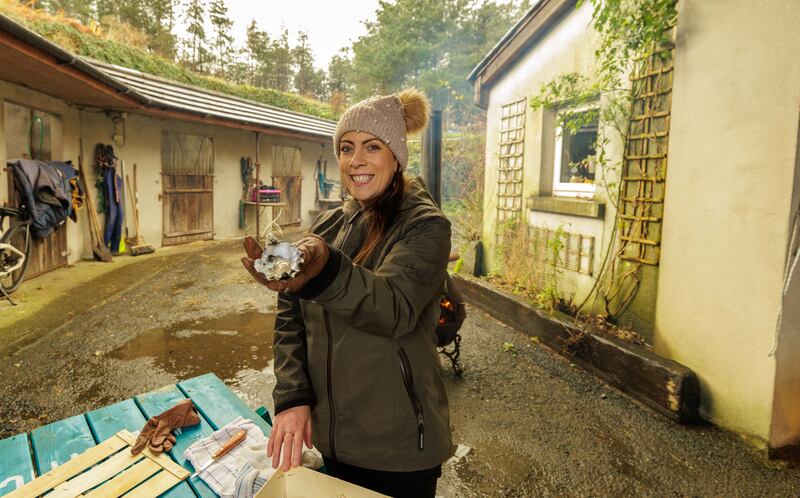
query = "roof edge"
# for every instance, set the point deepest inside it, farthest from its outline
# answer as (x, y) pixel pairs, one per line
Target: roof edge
(88, 67)
(536, 21)
(100, 64)
(65, 57)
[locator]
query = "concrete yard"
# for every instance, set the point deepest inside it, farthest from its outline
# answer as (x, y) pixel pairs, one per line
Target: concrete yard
(92, 334)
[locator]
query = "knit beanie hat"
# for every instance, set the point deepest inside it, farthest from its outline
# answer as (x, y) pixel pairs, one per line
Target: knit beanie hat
(388, 117)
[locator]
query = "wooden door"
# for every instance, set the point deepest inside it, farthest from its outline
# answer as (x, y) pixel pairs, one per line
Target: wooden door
(286, 176)
(30, 133)
(187, 163)
(48, 253)
(291, 188)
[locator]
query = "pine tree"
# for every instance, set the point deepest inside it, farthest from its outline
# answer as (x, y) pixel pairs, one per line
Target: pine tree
(307, 80)
(223, 41)
(279, 56)
(79, 9)
(339, 80)
(256, 48)
(195, 18)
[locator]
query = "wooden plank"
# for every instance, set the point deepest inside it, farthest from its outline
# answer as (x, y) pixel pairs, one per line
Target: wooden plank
(68, 468)
(16, 466)
(218, 404)
(663, 384)
(126, 481)
(55, 444)
(155, 486)
(126, 415)
(158, 401)
(96, 475)
(164, 461)
(107, 421)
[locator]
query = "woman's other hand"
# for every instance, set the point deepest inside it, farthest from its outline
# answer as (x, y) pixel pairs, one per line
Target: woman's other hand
(292, 428)
(314, 251)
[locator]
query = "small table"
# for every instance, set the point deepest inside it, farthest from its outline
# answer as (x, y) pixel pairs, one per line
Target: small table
(260, 206)
(25, 456)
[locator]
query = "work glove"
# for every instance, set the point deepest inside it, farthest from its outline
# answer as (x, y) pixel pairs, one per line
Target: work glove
(314, 251)
(157, 432)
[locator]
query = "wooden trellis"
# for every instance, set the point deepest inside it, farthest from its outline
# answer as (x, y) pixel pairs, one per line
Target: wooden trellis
(576, 254)
(644, 166)
(510, 170)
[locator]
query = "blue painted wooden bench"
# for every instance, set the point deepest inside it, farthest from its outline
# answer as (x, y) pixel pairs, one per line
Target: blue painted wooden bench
(25, 456)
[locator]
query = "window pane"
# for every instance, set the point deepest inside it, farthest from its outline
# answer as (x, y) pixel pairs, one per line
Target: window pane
(577, 159)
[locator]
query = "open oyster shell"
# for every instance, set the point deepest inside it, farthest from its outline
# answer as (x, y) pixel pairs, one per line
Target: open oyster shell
(280, 260)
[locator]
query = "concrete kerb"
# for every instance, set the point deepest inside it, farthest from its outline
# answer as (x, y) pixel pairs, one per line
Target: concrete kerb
(662, 384)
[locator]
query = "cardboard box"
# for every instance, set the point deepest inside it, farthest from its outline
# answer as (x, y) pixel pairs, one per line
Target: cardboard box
(301, 482)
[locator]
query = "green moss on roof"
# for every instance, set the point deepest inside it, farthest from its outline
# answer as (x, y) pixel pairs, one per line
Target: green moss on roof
(91, 45)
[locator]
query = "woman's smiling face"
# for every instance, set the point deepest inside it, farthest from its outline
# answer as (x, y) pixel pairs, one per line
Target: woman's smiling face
(366, 165)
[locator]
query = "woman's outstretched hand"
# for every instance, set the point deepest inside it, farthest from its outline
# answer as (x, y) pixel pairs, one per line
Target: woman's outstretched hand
(292, 428)
(314, 251)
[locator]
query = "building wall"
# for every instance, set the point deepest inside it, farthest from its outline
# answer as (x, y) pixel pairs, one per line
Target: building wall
(567, 47)
(143, 147)
(732, 167)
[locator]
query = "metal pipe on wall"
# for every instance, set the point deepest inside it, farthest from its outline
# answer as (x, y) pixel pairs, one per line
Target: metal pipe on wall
(258, 190)
(432, 156)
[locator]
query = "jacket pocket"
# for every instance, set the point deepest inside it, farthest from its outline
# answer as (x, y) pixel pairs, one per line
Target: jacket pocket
(416, 405)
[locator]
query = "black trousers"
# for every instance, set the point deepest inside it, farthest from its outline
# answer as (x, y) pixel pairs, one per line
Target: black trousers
(416, 484)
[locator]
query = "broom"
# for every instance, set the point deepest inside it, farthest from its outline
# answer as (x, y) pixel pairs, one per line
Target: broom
(136, 245)
(99, 250)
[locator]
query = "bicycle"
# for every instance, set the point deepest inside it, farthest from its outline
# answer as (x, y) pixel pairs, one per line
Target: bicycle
(15, 250)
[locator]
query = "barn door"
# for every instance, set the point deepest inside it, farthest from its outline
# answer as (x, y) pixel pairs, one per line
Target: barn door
(30, 133)
(286, 176)
(187, 172)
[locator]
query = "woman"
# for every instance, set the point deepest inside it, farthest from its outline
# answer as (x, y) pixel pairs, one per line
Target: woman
(355, 350)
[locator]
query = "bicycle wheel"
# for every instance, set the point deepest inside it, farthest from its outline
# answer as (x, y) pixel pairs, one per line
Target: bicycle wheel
(19, 236)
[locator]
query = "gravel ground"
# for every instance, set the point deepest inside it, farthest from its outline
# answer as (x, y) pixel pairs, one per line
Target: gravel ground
(534, 424)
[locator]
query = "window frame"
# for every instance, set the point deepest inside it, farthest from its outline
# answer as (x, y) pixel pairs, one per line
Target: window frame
(567, 189)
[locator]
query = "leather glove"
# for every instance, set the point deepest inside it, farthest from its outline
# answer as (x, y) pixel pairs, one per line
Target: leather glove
(314, 251)
(157, 432)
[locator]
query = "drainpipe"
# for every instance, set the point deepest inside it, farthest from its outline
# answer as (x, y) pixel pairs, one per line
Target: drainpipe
(432, 157)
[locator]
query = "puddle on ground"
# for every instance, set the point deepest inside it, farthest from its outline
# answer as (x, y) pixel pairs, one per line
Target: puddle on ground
(223, 345)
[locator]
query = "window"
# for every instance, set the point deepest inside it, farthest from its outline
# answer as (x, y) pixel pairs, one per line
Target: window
(575, 161)
(509, 172)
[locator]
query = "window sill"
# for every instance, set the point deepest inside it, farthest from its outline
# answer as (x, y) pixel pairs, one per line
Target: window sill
(572, 206)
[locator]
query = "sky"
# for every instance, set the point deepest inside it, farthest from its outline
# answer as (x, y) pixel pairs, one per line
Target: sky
(330, 25)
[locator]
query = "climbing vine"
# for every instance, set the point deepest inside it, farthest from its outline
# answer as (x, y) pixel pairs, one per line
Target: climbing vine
(631, 32)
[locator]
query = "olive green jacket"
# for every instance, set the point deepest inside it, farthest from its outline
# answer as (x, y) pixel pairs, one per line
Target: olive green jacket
(357, 343)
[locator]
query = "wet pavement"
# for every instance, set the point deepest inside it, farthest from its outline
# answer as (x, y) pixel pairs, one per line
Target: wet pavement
(534, 425)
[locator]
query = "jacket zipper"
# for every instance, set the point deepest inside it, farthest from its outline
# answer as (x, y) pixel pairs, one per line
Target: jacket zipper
(408, 380)
(332, 426)
(332, 409)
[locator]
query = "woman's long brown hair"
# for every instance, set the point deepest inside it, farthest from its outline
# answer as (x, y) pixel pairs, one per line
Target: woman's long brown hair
(381, 214)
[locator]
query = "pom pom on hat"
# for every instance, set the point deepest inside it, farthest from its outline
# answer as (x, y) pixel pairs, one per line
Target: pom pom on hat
(416, 109)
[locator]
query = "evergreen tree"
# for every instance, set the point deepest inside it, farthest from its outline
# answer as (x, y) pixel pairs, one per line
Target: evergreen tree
(431, 44)
(155, 18)
(307, 80)
(196, 44)
(256, 51)
(279, 56)
(339, 81)
(79, 9)
(223, 40)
